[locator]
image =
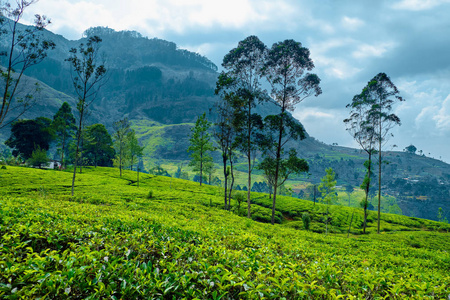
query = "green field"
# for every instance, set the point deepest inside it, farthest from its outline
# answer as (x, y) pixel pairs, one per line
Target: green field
(171, 239)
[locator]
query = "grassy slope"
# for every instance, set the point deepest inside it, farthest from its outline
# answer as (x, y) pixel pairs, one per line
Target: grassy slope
(111, 240)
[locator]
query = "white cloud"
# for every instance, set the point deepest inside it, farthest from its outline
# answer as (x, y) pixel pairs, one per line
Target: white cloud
(336, 67)
(325, 124)
(442, 118)
(417, 5)
(351, 23)
(366, 50)
(156, 17)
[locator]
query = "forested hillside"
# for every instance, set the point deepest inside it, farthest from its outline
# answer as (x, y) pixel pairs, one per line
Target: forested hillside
(162, 90)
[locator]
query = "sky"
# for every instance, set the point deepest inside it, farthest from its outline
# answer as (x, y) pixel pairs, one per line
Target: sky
(350, 43)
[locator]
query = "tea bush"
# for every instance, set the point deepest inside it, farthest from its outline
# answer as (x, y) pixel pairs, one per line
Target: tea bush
(176, 247)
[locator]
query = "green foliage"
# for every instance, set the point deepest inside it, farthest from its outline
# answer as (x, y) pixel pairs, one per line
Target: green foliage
(411, 149)
(306, 218)
(135, 151)
(98, 146)
(327, 187)
(64, 127)
(200, 146)
(88, 75)
(150, 194)
(22, 48)
(122, 132)
(160, 171)
(112, 242)
(26, 135)
(289, 166)
(240, 198)
(441, 216)
(38, 157)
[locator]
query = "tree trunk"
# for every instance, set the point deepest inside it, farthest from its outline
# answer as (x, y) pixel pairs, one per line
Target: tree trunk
(224, 160)
(120, 161)
(232, 180)
(78, 148)
(277, 167)
(201, 166)
(314, 194)
(249, 131)
(137, 173)
(81, 155)
(350, 226)
(369, 169)
(62, 150)
(379, 183)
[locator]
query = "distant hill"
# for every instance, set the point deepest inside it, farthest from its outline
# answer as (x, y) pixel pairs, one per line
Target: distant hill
(162, 89)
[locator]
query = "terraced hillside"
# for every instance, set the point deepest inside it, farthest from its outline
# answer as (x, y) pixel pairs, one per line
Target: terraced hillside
(170, 239)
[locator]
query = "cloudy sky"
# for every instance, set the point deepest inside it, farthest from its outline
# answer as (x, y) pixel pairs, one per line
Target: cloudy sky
(350, 42)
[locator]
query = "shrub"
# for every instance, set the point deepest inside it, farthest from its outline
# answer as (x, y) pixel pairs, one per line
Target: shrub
(38, 157)
(150, 194)
(318, 227)
(306, 218)
(239, 197)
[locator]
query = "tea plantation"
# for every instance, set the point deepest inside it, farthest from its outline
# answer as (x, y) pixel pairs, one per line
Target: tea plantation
(171, 239)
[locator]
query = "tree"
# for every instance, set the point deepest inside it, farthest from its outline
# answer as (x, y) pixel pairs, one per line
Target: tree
(365, 186)
(88, 76)
(25, 48)
(441, 215)
(180, 174)
(38, 157)
(158, 170)
(139, 164)
(224, 135)
(200, 146)
(361, 126)
(285, 69)
(98, 148)
(135, 151)
(243, 66)
(327, 190)
(28, 135)
(288, 166)
(209, 171)
(64, 126)
(121, 134)
(312, 192)
(411, 149)
(348, 191)
(382, 94)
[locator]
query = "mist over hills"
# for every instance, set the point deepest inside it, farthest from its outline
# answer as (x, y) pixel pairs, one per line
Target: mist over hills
(162, 89)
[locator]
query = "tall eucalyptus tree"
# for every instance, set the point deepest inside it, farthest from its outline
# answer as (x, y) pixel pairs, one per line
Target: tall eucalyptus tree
(382, 94)
(243, 66)
(286, 69)
(369, 124)
(88, 75)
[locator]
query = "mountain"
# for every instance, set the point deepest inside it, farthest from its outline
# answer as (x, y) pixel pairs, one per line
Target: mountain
(162, 89)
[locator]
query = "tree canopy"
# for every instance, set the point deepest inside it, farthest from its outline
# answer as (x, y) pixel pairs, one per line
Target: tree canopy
(25, 48)
(200, 146)
(28, 135)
